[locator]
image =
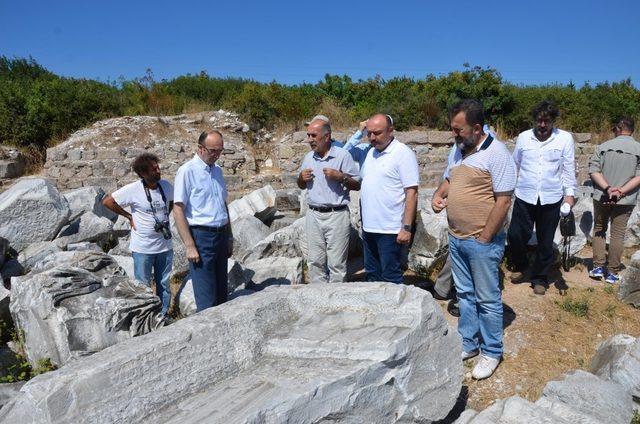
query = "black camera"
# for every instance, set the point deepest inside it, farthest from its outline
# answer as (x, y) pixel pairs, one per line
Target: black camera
(163, 227)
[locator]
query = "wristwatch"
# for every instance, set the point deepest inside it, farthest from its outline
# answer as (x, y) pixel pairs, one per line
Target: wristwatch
(406, 227)
(345, 179)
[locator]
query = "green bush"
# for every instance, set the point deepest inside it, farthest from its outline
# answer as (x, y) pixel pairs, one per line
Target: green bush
(37, 106)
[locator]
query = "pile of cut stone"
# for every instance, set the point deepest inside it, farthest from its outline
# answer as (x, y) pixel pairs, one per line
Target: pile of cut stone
(608, 394)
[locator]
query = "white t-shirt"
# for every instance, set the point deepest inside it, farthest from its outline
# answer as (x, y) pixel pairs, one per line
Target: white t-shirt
(144, 239)
(385, 175)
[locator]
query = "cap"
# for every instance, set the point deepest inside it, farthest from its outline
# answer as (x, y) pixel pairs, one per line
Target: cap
(318, 118)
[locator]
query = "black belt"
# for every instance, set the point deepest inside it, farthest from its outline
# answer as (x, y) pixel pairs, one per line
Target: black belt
(328, 208)
(209, 229)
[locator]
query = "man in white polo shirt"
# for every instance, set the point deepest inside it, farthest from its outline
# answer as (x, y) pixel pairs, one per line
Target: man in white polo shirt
(328, 173)
(545, 159)
(389, 196)
(151, 200)
(202, 220)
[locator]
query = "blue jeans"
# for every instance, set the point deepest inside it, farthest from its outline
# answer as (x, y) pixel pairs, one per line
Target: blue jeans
(476, 277)
(209, 276)
(382, 257)
(143, 263)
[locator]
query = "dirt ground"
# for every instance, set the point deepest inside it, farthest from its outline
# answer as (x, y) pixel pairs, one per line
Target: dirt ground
(547, 336)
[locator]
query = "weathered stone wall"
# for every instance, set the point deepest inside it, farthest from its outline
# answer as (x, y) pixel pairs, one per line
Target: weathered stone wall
(101, 155)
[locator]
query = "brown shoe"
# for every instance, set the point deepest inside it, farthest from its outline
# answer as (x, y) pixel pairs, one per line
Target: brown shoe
(518, 277)
(539, 288)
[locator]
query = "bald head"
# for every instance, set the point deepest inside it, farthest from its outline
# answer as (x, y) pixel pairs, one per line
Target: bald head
(210, 146)
(380, 130)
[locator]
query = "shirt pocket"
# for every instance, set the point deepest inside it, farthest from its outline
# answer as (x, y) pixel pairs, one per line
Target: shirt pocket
(529, 154)
(199, 194)
(552, 155)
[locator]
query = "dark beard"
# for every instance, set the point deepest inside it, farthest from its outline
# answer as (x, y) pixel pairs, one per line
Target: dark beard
(465, 144)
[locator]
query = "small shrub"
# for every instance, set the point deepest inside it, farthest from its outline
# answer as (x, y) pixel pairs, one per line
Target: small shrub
(609, 289)
(609, 311)
(22, 369)
(579, 308)
(43, 365)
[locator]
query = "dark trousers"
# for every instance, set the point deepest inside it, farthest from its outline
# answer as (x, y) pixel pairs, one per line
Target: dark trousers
(546, 218)
(382, 256)
(209, 276)
(444, 282)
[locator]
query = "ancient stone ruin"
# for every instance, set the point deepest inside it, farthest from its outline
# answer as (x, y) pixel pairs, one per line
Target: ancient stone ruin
(357, 352)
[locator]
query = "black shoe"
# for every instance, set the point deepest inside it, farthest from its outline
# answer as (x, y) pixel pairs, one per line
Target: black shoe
(453, 308)
(438, 296)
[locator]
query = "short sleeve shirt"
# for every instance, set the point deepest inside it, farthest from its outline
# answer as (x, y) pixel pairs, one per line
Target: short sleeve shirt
(322, 191)
(385, 176)
(201, 188)
(144, 239)
(474, 180)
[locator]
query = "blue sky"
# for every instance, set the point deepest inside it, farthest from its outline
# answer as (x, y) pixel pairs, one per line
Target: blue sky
(529, 42)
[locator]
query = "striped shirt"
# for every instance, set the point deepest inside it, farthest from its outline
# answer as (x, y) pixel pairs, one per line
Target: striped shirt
(474, 181)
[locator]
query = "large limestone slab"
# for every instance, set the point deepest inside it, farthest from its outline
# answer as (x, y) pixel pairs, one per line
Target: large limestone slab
(629, 290)
(260, 203)
(31, 210)
(585, 398)
(580, 397)
(247, 232)
(86, 227)
(632, 235)
(35, 253)
(349, 353)
(78, 303)
(88, 199)
(275, 270)
(513, 410)
(290, 242)
(618, 359)
(430, 240)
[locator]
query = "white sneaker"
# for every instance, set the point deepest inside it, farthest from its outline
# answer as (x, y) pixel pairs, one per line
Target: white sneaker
(469, 355)
(485, 367)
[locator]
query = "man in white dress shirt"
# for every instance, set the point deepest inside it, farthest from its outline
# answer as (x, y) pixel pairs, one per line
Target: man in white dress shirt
(202, 219)
(545, 158)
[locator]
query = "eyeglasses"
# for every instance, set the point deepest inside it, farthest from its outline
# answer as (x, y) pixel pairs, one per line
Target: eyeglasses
(211, 151)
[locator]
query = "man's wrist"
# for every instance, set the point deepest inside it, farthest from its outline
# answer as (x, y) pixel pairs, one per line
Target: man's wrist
(406, 227)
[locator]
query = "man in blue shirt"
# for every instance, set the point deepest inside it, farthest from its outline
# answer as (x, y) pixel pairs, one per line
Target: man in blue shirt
(328, 173)
(202, 219)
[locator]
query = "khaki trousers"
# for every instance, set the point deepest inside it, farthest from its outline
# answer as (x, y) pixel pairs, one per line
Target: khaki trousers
(328, 243)
(619, 216)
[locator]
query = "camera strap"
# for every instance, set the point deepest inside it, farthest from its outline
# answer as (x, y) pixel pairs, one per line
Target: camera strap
(148, 194)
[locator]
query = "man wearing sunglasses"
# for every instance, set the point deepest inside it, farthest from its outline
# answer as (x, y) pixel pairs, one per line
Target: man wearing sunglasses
(202, 219)
(328, 173)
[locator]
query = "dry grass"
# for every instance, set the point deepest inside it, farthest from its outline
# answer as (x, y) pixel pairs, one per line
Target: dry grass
(551, 335)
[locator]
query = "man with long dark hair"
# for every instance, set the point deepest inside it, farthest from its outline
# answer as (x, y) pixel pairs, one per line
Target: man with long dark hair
(151, 201)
